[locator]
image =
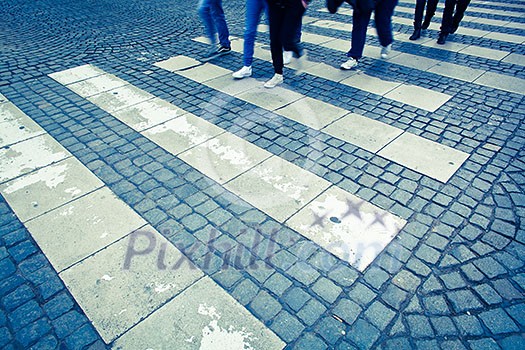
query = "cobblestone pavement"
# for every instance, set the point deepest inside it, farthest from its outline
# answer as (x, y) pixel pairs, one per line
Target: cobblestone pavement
(379, 208)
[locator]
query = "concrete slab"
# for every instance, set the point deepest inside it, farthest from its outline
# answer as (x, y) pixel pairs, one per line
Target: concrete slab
(202, 317)
(502, 82)
(348, 227)
(413, 61)
(26, 156)
(177, 63)
(76, 74)
(311, 112)
(456, 71)
(418, 97)
(48, 188)
(337, 45)
(232, 87)
(183, 133)
(15, 125)
(277, 187)
(515, 58)
(510, 38)
(204, 72)
(484, 52)
(147, 114)
(115, 295)
(96, 85)
(370, 84)
(270, 99)
(323, 70)
(73, 232)
(366, 133)
(224, 157)
(120, 98)
(426, 157)
(328, 24)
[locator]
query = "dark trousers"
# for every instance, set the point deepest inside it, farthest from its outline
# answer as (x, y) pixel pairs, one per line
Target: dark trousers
(451, 20)
(285, 21)
(420, 7)
(383, 18)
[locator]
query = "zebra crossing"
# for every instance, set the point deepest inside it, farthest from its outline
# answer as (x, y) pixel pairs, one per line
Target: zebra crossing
(85, 231)
(55, 195)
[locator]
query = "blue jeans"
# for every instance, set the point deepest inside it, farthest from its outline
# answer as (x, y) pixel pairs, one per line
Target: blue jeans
(254, 9)
(214, 21)
(383, 18)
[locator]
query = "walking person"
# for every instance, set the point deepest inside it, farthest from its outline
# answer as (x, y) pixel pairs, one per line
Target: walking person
(450, 21)
(212, 16)
(254, 9)
(285, 20)
(383, 11)
(419, 24)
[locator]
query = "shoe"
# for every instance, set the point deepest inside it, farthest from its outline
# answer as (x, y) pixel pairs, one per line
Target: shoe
(385, 50)
(454, 28)
(287, 57)
(442, 38)
(223, 50)
(276, 80)
(351, 63)
(333, 5)
(244, 72)
(214, 52)
(416, 35)
(301, 63)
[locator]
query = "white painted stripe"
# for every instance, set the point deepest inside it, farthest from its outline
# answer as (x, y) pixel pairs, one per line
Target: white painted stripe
(450, 70)
(2, 99)
(276, 186)
(368, 134)
(429, 42)
(83, 229)
(428, 100)
(15, 126)
(510, 38)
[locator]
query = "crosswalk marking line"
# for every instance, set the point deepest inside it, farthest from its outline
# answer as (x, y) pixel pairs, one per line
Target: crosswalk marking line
(91, 276)
(466, 17)
(444, 68)
(477, 33)
(471, 50)
(288, 188)
(429, 100)
(16, 126)
(363, 132)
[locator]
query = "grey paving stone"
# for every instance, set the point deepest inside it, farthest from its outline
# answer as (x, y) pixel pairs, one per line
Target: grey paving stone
(498, 322)
(264, 306)
(468, 325)
(419, 326)
(330, 330)
(453, 280)
(514, 342)
(376, 277)
(310, 342)
(347, 310)
(287, 326)
(277, 283)
(394, 296)
(443, 326)
(436, 305)
(406, 280)
(326, 289)
(483, 344)
(311, 312)
(364, 334)
(296, 298)
(488, 294)
(379, 315)
(463, 300)
(361, 294)
(303, 272)
(245, 291)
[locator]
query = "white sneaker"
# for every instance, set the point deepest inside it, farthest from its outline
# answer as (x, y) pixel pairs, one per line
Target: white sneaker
(385, 50)
(287, 57)
(276, 80)
(351, 63)
(244, 72)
